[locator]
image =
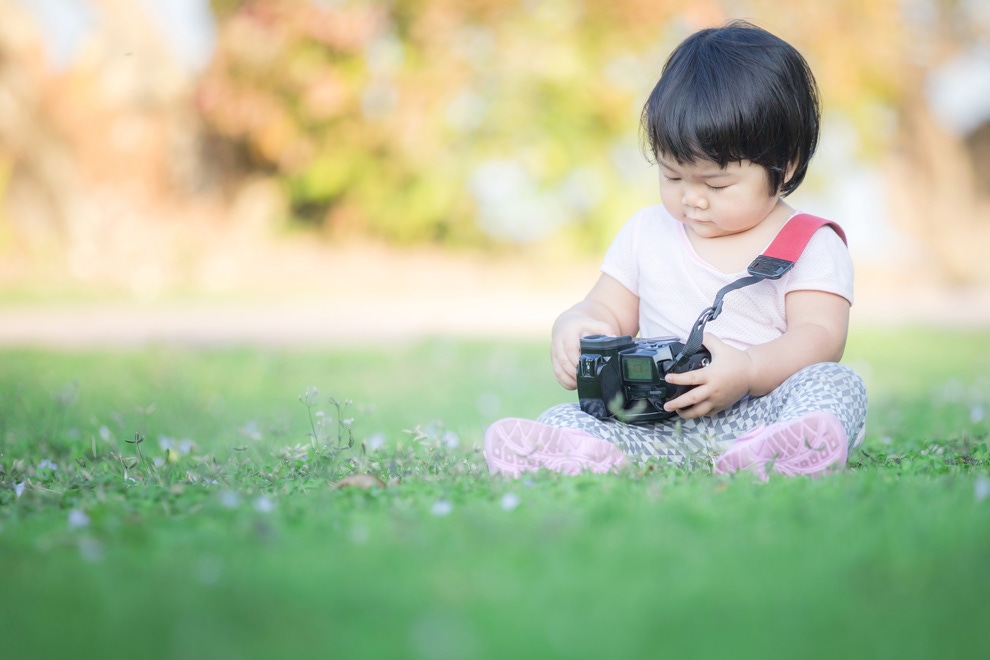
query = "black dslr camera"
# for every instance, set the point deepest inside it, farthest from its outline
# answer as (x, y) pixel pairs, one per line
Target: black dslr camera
(624, 377)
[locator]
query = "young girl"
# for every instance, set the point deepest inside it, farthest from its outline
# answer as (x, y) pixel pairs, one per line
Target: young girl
(732, 124)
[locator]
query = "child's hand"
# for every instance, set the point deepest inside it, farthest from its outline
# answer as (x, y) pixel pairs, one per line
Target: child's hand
(608, 309)
(565, 345)
(719, 385)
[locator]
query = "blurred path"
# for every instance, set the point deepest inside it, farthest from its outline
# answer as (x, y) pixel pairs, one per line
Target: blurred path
(325, 299)
(389, 297)
(349, 320)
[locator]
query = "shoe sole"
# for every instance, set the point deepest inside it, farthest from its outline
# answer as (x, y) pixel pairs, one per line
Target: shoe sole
(514, 446)
(812, 445)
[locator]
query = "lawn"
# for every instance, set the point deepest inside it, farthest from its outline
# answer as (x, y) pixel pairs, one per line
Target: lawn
(182, 503)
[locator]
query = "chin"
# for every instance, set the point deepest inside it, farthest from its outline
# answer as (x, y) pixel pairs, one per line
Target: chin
(706, 230)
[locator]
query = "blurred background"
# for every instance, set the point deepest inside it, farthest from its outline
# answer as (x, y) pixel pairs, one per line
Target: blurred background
(387, 166)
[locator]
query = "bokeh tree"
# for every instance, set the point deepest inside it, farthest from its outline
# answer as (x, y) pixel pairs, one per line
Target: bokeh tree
(491, 122)
(447, 120)
(472, 121)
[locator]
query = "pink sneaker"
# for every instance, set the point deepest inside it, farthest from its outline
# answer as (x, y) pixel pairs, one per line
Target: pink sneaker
(514, 446)
(812, 445)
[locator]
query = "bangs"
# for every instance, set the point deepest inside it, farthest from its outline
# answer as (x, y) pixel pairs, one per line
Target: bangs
(695, 126)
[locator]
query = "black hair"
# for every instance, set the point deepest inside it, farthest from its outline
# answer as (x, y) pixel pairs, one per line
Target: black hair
(736, 93)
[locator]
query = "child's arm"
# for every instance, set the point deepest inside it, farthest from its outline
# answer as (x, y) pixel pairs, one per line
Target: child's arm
(608, 309)
(817, 325)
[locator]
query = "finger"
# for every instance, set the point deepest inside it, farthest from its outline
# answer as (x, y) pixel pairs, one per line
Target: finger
(689, 410)
(677, 404)
(567, 364)
(693, 377)
(566, 380)
(692, 397)
(565, 373)
(570, 351)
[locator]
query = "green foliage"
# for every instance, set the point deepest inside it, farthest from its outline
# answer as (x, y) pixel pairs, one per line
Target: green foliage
(204, 504)
(494, 121)
(408, 119)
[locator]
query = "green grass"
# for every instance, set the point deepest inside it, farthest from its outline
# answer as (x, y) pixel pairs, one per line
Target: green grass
(238, 545)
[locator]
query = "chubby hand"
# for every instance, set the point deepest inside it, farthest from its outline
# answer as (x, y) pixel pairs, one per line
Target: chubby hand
(719, 385)
(565, 345)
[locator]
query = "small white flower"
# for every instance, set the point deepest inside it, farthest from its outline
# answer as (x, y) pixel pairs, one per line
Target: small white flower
(982, 489)
(104, 433)
(450, 440)
(263, 504)
(19, 489)
(309, 398)
(78, 519)
(47, 464)
(977, 413)
(177, 447)
(375, 442)
(229, 499)
(509, 501)
(251, 431)
(441, 508)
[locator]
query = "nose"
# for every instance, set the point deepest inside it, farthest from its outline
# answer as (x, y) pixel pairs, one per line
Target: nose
(694, 197)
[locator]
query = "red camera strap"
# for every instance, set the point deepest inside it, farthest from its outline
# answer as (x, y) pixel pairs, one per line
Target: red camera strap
(792, 238)
(779, 257)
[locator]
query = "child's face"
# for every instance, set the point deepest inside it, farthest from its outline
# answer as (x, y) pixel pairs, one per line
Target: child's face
(714, 201)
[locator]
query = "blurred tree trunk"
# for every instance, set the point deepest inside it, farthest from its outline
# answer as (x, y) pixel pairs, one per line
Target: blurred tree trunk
(939, 174)
(38, 180)
(935, 194)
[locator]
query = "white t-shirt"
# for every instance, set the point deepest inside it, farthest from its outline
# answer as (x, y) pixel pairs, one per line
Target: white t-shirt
(653, 258)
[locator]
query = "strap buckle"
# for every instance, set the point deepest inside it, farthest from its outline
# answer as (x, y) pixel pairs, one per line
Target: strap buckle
(770, 268)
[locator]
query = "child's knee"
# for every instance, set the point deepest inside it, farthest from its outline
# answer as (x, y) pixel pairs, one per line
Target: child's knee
(837, 376)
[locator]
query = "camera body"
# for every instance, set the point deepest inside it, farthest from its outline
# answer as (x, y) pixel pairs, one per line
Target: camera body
(623, 377)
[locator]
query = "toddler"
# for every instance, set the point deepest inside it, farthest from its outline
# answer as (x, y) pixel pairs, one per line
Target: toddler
(732, 123)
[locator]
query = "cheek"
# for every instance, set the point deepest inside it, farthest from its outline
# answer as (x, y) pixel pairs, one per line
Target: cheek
(671, 191)
(743, 210)
(671, 202)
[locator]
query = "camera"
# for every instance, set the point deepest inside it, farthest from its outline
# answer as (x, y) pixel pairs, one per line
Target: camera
(623, 377)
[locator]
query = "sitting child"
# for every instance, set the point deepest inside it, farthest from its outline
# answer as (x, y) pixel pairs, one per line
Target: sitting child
(732, 123)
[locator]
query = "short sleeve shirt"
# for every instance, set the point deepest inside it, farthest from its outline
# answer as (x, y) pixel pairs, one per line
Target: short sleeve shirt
(653, 258)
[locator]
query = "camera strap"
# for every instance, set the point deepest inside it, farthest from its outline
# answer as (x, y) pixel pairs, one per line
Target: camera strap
(779, 257)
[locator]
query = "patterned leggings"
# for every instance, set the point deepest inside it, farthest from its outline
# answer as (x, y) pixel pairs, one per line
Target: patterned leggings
(826, 386)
